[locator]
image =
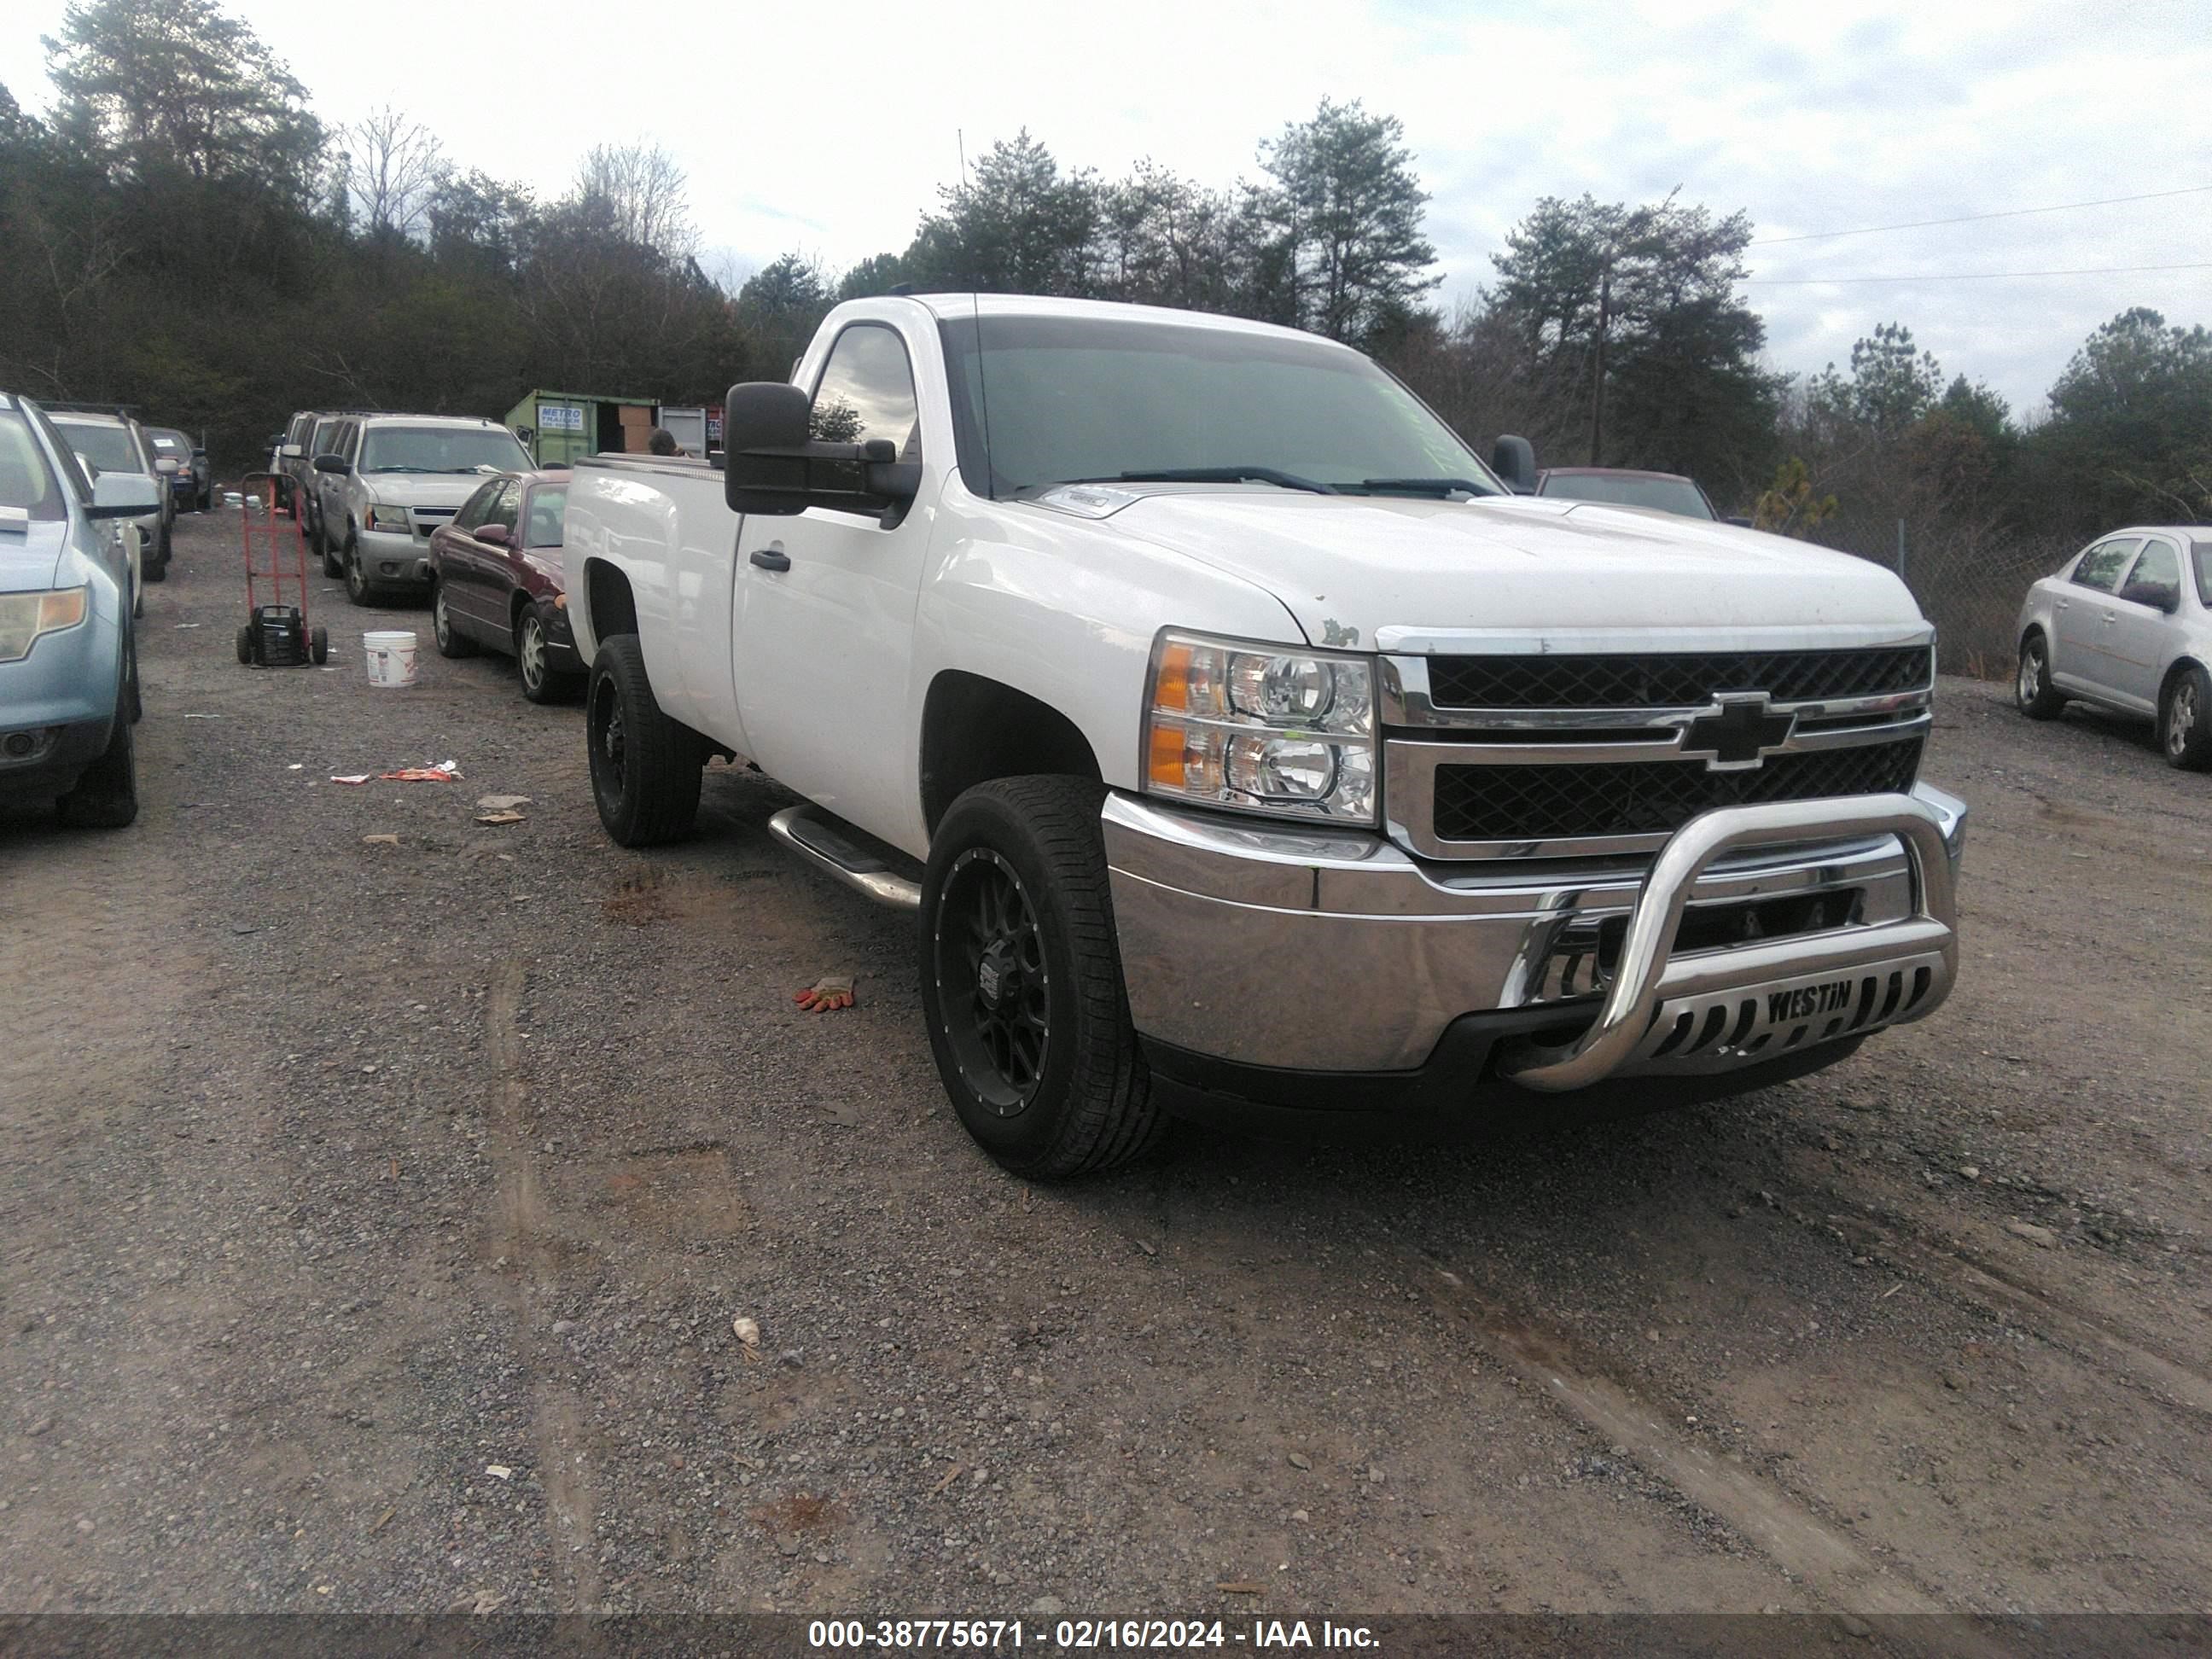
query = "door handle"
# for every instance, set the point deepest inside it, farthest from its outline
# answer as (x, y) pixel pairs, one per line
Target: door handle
(768, 559)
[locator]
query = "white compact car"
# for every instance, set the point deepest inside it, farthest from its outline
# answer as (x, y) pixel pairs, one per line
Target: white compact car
(2127, 624)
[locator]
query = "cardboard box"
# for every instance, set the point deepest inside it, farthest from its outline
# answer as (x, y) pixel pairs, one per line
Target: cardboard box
(636, 439)
(635, 414)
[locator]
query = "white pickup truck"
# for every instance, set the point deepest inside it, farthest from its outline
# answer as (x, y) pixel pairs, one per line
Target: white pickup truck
(1248, 749)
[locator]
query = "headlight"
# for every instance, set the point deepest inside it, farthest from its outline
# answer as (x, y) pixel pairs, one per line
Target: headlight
(25, 617)
(1287, 731)
(387, 518)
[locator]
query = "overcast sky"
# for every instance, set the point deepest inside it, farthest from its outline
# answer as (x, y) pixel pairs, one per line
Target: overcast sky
(828, 128)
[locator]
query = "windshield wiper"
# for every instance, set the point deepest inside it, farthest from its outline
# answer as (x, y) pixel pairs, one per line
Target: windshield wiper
(1218, 475)
(395, 469)
(1427, 486)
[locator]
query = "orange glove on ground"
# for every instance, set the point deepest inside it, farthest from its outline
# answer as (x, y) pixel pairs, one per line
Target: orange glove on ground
(830, 992)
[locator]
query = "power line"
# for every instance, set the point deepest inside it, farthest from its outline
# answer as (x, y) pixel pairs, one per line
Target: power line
(1976, 218)
(1962, 276)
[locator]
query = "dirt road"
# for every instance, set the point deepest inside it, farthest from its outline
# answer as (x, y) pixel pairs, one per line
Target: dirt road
(375, 1218)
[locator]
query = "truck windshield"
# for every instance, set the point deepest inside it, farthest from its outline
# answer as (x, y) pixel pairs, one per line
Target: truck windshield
(1667, 494)
(107, 448)
(1066, 398)
(440, 449)
(25, 485)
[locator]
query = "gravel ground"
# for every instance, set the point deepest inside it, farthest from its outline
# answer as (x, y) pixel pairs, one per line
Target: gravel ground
(376, 1216)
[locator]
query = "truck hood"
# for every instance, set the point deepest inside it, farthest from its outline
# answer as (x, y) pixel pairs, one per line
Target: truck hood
(30, 555)
(421, 489)
(1348, 567)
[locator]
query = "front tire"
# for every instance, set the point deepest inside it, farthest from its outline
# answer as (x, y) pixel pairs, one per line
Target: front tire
(1021, 981)
(106, 793)
(450, 642)
(2031, 691)
(2184, 719)
(359, 588)
(646, 767)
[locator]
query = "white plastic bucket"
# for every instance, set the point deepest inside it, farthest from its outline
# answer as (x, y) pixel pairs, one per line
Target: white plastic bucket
(390, 656)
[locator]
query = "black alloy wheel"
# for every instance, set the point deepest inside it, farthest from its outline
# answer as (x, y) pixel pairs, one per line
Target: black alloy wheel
(993, 982)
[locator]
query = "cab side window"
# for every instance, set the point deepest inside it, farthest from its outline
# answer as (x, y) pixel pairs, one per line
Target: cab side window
(866, 390)
(2156, 579)
(2101, 565)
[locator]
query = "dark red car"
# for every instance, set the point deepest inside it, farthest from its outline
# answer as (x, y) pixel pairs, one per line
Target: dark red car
(495, 581)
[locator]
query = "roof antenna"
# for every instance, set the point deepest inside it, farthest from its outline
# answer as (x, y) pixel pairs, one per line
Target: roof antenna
(975, 309)
(983, 398)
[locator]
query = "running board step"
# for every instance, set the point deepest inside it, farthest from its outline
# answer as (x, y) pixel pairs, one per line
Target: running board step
(854, 857)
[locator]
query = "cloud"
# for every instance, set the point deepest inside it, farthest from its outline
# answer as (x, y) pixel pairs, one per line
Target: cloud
(832, 130)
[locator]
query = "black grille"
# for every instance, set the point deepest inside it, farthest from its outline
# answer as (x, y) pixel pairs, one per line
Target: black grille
(1674, 680)
(1654, 798)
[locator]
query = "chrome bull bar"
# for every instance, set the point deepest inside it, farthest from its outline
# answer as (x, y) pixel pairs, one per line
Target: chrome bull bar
(1716, 1009)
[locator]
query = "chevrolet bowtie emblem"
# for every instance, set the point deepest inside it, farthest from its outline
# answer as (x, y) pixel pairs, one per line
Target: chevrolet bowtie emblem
(1737, 734)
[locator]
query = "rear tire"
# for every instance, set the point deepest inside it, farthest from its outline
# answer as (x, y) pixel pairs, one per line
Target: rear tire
(541, 683)
(2184, 719)
(450, 642)
(106, 793)
(1021, 981)
(2031, 691)
(646, 767)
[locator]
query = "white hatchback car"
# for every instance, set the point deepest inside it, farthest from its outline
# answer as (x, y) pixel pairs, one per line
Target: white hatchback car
(2127, 624)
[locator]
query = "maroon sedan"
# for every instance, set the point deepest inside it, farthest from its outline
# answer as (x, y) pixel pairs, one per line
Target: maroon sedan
(495, 581)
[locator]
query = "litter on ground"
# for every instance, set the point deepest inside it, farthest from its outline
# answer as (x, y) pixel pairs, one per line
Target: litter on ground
(831, 990)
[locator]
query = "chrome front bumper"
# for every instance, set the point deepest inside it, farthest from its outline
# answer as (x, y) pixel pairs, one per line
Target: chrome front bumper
(1322, 950)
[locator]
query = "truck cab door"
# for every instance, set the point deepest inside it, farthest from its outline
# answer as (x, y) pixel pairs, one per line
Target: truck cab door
(826, 604)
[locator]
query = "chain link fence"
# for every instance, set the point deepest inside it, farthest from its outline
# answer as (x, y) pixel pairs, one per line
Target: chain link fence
(1969, 580)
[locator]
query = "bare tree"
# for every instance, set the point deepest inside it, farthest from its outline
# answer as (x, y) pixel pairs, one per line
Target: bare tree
(640, 189)
(393, 166)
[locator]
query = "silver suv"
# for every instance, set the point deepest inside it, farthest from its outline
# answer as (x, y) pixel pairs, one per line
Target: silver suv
(2127, 624)
(114, 442)
(389, 480)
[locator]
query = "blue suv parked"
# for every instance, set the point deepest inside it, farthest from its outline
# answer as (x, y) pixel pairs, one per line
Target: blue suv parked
(69, 666)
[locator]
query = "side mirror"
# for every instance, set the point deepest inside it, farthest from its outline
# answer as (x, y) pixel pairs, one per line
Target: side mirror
(292, 452)
(493, 535)
(524, 433)
(1514, 459)
(164, 466)
(325, 463)
(1739, 521)
(276, 440)
(773, 466)
(124, 495)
